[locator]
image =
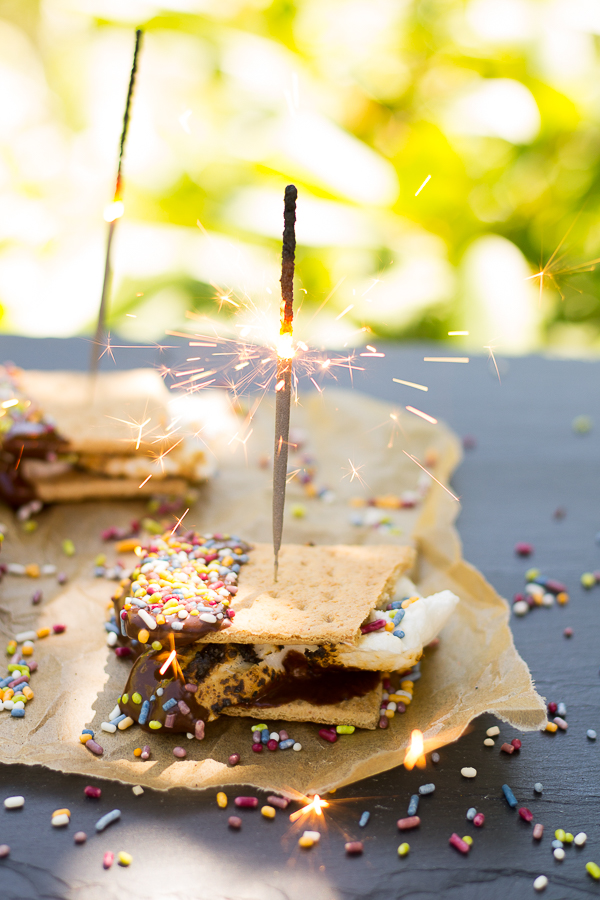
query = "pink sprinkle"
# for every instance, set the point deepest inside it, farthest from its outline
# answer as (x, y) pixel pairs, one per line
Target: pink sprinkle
(568, 632)
(526, 814)
(234, 822)
(234, 759)
(279, 802)
(561, 723)
(59, 629)
(384, 722)
(199, 730)
(516, 743)
(94, 747)
(377, 625)
(32, 665)
(272, 745)
(183, 708)
(108, 859)
(246, 802)
(80, 837)
(170, 720)
(557, 587)
(353, 848)
(522, 549)
(4, 851)
(478, 820)
(257, 747)
(179, 752)
(458, 843)
(538, 831)
(191, 688)
(94, 792)
(507, 748)
(145, 754)
(283, 735)
(123, 651)
(408, 823)
(328, 735)
(552, 707)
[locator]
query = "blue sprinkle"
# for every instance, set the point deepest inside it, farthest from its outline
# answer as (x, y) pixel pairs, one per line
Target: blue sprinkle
(177, 626)
(399, 616)
(398, 633)
(145, 712)
(88, 731)
(364, 819)
(540, 580)
(396, 604)
(591, 734)
(427, 789)
(118, 719)
(7, 681)
(471, 813)
(264, 735)
(561, 709)
(110, 627)
(106, 820)
(285, 745)
(557, 845)
(17, 713)
(152, 698)
(510, 797)
(123, 632)
(99, 572)
(413, 805)
(137, 601)
(235, 567)
(169, 704)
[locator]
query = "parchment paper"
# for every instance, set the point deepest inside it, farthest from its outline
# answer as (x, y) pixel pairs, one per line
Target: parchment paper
(475, 668)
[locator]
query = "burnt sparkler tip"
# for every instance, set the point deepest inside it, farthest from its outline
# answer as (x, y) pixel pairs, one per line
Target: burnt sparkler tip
(275, 568)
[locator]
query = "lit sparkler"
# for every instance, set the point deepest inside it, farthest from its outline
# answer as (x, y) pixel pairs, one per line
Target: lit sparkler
(415, 754)
(285, 354)
(316, 805)
(113, 213)
(170, 659)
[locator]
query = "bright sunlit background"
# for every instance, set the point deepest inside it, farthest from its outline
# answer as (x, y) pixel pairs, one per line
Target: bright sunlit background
(491, 107)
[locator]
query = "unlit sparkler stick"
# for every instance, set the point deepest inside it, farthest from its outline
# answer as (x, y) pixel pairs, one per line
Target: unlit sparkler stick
(285, 353)
(114, 212)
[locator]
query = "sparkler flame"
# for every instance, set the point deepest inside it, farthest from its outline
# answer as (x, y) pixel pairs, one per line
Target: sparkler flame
(415, 755)
(113, 211)
(285, 346)
(316, 805)
(170, 658)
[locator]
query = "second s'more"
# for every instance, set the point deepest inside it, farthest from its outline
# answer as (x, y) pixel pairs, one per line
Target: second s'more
(216, 636)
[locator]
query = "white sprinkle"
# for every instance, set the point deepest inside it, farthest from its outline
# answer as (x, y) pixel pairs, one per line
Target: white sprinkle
(520, 608)
(488, 742)
(538, 787)
(59, 821)
(1, 705)
(559, 854)
(297, 746)
(114, 713)
(494, 731)
(274, 736)
(138, 790)
(208, 617)
(108, 726)
(313, 836)
(25, 636)
(189, 736)
(14, 802)
(15, 569)
(534, 590)
(182, 614)
(48, 569)
(18, 704)
(548, 600)
(8, 704)
(591, 734)
(540, 883)
(127, 722)
(147, 619)
(112, 638)
(468, 772)
(580, 839)
(160, 692)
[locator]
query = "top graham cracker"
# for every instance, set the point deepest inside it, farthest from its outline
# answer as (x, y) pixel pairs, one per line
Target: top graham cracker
(103, 416)
(322, 595)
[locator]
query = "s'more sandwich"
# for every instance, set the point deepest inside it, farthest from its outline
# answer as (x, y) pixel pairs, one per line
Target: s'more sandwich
(65, 436)
(215, 635)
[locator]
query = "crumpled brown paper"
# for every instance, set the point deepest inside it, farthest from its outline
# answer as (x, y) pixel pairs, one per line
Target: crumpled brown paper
(475, 668)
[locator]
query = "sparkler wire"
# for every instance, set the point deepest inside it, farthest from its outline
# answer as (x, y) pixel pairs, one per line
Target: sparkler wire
(100, 327)
(283, 395)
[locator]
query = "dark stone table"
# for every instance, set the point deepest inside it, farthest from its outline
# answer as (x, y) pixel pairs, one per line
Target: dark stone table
(527, 463)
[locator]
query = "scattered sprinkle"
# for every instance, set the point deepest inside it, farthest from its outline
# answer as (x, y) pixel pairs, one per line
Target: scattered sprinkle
(540, 883)
(468, 772)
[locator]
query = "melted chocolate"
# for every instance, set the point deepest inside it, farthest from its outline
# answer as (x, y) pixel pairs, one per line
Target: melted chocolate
(42, 442)
(321, 685)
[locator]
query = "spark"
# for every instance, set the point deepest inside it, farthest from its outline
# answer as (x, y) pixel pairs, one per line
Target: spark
(8, 403)
(372, 354)
(371, 286)
(130, 316)
(450, 359)
(456, 333)
(493, 358)
(354, 472)
(139, 437)
(415, 755)
(113, 211)
(170, 658)
(179, 521)
(419, 387)
(343, 313)
(372, 349)
(145, 481)
(423, 415)
(416, 461)
(427, 180)
(316, 805)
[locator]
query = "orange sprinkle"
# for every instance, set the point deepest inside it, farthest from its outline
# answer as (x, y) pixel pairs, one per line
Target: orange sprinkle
(137, 751)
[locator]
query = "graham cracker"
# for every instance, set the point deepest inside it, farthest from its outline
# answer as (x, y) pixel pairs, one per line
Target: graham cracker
(323, 593)
(363, 712)
(76, 486)
(103, 415)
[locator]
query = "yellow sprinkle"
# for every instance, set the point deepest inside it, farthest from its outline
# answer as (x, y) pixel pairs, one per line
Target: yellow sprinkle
(222, 799)
(389, 713)
(268, 812)
(28, 692)
(27, 649)
(137, 751)
(407, 686)
(124, 859)
(160, 620)
(551, 727)
(84, 738)
(126, 546)
(61, 812)
(562, 598)
(43, 632)
(403, 849)
(156, 645)
(143, 636)
(305, 842)
(390, 626)
(409, 602)
(33, 570)
(154, 725)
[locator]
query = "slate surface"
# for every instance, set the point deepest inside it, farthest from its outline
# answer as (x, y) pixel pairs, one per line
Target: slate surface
(527, 463)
